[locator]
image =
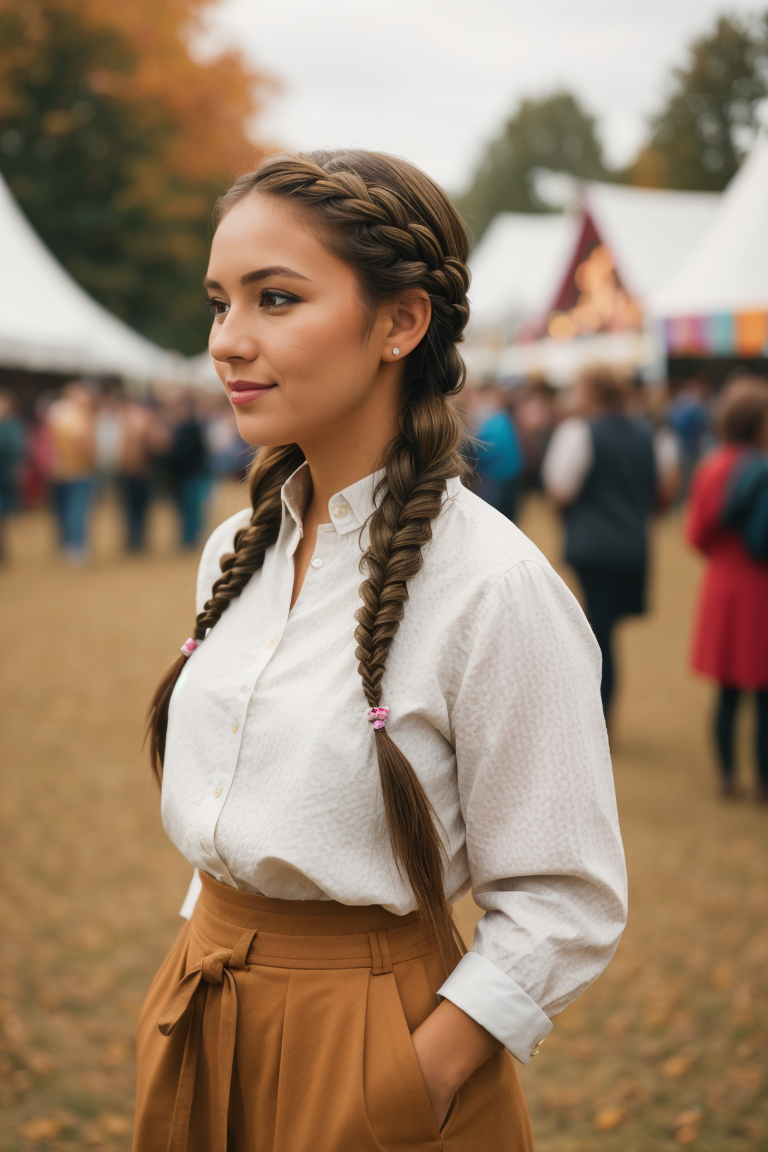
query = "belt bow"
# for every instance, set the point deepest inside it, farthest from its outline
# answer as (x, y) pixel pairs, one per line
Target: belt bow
(191, 995)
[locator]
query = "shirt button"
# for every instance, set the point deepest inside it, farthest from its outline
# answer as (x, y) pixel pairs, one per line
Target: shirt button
(338, 510)
(202, 842)
(217, 793)
(234, 725)
(317, 562)
(271, 643)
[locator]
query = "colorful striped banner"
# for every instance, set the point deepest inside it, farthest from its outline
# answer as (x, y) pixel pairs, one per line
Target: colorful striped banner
(721, 334)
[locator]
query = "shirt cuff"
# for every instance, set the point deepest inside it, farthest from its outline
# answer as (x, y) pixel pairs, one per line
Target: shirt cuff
(194, 890)
(494, 1000)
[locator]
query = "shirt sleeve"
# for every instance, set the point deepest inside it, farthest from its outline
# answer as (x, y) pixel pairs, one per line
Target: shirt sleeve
(537, 795)
(666, 451)
(568, 459)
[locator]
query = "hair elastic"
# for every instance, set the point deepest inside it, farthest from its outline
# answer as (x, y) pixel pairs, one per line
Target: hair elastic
(189, 646)
(377, 717)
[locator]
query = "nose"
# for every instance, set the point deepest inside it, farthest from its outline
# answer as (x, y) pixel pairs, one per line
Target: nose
(233, 338)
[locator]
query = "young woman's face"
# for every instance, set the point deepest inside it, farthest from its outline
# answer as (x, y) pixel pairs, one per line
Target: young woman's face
(291, 340)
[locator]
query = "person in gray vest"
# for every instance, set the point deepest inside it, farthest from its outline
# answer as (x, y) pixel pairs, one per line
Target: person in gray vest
(608, 472)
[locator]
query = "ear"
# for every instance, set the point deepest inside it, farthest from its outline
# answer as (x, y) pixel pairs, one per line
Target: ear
(409, 319)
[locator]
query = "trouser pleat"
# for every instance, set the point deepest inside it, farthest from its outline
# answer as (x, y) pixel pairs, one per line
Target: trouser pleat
(275, 1026)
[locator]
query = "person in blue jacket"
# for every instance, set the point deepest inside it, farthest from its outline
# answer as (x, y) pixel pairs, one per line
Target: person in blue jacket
(499, 455)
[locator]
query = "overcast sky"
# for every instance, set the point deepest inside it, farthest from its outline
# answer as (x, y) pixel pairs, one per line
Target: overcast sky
(434, 80)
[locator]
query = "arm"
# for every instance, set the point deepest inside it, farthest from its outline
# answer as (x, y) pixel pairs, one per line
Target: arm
(542, 830)
(703, 524)
(667, 458)
(567, 461)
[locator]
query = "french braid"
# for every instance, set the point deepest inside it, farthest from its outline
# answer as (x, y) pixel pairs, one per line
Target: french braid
(399, 231)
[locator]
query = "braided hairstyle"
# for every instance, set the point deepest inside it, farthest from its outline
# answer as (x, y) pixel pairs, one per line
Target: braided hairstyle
(399, 231)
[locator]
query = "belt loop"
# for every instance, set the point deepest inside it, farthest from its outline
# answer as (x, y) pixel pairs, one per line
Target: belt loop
(381, 960)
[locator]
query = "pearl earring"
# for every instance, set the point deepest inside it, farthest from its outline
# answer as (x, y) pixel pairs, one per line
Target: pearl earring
(395, 351)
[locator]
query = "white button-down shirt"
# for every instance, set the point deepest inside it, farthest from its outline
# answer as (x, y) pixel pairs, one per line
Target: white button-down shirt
(271, 781)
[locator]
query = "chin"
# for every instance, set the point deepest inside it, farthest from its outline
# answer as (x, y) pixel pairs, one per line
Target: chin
(263, 432)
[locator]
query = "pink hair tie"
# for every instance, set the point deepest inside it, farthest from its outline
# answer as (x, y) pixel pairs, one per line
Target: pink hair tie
(189, 646)
(377, 717)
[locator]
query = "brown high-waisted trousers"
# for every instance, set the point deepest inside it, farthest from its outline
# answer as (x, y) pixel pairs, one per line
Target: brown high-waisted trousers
(285, 1026)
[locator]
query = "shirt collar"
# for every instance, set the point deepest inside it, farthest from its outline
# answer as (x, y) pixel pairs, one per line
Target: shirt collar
(348, 509)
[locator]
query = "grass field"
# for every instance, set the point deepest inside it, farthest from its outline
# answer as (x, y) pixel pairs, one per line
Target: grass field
(668, 1048)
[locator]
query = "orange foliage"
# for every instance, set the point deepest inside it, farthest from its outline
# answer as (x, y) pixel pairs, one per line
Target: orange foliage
(212, 102)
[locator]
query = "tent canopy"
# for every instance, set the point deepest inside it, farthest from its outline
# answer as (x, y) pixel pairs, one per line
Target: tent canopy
(727, 272)
(48, 323)
(649, 231)
(522, 259)
(517, 266)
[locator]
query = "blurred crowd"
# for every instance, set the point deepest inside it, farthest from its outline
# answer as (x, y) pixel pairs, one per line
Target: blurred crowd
(87, 441)
(608, 454)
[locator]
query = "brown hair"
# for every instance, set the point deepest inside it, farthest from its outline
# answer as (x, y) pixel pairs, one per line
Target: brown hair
(399, 231)
(743, 410)
(610, 389)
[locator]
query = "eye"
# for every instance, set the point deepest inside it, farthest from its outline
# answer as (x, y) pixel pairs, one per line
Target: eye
(217, 307)
(271, 298)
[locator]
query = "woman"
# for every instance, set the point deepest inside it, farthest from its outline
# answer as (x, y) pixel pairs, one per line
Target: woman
(731, 637)
(343, 759)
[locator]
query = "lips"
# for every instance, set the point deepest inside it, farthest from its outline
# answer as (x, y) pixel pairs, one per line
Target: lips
(246, 391)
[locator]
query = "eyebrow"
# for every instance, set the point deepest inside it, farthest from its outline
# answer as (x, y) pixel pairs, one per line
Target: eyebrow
(260, 274)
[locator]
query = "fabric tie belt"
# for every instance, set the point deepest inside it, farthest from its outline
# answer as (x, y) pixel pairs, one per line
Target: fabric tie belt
(212, 974)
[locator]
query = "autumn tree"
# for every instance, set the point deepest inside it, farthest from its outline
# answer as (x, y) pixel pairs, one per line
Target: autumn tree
(699, 138)
(553, 133)
(116, 140)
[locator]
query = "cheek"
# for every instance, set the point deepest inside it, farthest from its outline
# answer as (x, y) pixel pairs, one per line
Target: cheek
(321, 343)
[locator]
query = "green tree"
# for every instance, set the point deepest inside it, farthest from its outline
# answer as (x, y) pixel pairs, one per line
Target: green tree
(554, 133)
(699, 138)
(116, 142)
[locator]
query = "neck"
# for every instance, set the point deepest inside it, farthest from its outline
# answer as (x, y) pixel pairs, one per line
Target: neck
(335, 466)
(354, 447)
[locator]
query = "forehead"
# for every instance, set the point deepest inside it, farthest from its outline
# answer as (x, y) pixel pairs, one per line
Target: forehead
(262, 231)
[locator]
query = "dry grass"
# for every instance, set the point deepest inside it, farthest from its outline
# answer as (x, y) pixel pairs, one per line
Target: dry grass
(668, 1048)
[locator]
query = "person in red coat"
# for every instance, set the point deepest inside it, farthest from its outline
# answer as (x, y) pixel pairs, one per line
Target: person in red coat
(731, 637)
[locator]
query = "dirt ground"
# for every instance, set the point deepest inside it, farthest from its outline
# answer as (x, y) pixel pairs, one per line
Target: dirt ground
(669, 1047)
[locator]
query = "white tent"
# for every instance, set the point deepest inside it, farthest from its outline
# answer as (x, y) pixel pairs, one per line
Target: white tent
(49, 324)
(727, 272)
(649, 231)
(522, 261)
(517, 268)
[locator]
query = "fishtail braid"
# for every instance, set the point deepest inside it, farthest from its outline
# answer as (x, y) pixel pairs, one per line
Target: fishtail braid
(271, 469)
(417, 467)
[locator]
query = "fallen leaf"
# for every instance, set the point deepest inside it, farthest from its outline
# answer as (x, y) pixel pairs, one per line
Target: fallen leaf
(21, 1080)
(91, 939)
(48, 1000)
(687, 1119)
(723, 976)
(116, 1053)
(15, 1029)
(748, 1074)
(616, 1025)
(741, 1002)
(608, 1118)
(677, 1065)
(114, 1124)
(37, 1130)
(563, 1098)
(687, 1134)
(39, 1063)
